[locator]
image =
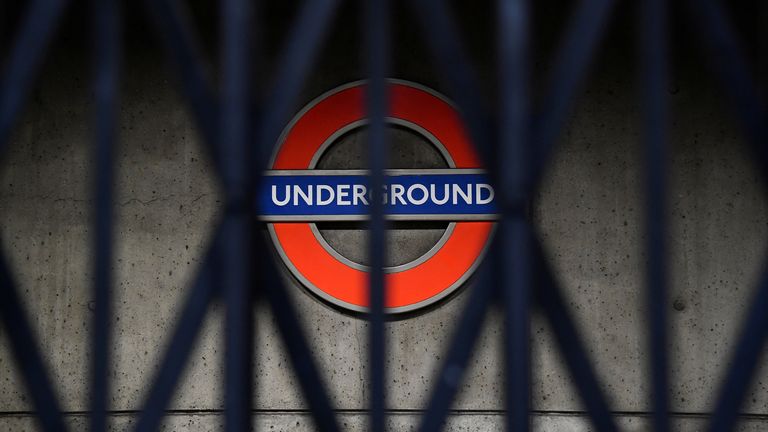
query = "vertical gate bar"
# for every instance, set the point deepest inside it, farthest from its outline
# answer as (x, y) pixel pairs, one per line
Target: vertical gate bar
(180, 344)
(653, 84)
(376, 30)
(107, 29)
(572, 60)
(513, 161)
(235, 259)
(171, 22)
(27, 355)
(550, 298)
(39, 24)
(234, 274)
(516, 274)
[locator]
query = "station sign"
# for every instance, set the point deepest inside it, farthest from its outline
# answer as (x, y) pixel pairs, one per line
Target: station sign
(341, 195)
(295, 195)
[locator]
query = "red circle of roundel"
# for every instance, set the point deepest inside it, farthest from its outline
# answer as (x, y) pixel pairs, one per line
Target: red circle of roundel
(334, 280)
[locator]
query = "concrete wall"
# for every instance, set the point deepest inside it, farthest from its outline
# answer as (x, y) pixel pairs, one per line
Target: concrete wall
(589, 214)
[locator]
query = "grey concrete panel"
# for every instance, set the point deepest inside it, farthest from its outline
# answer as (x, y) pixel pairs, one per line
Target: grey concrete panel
(719, 216)
(588, 212)
(165, 204)
(169, 205)
(44, 231)
(396, 422)
(589, 215)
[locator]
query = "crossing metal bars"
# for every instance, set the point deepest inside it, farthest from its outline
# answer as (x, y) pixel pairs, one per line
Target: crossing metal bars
(515, 143)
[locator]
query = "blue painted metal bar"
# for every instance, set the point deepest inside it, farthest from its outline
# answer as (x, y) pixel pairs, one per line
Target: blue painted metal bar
(652, 51)
(171, 21)
(570, 68)
(180, 344)
(40, 22)
(26, 354)
(376, 31)
(234, 261)
(550, 299)
(516, 274)
(232, 270)
(107, 31)
(513, 161)
(298, 55)
(312, 385)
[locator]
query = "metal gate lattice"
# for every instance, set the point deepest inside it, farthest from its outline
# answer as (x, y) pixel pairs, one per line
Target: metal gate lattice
(520, 135)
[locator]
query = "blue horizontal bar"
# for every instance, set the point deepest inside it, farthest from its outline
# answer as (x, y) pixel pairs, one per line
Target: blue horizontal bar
(344, 195)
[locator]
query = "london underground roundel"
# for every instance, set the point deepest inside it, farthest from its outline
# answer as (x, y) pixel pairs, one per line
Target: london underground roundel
(295, 195)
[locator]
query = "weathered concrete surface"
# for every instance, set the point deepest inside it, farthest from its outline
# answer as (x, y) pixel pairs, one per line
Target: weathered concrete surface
(397, 422)
(589, 214)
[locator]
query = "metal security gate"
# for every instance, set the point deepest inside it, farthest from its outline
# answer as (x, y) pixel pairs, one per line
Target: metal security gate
(516, 142)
